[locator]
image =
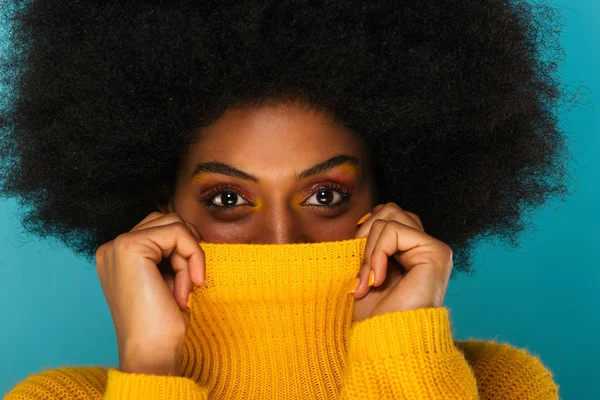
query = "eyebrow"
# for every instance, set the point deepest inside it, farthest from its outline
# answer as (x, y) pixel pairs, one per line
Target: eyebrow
(329, 164)
(224, 169)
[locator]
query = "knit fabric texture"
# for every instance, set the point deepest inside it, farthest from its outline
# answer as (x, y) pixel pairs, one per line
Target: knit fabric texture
(275, 322)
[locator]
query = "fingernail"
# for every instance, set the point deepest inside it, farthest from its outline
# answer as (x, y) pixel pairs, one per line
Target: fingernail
(363, 219)
(353, 286)
(371, 278)
(189, 302)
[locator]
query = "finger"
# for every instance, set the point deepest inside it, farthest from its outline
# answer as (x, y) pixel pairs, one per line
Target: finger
(150, 217)
(158, 219)
(388, 212)
(398, 240)
(177, 239)
(393, 212)
(378, 263)
(436, 253)
(195, 267)
(363, 275)
(365, 226)
(169, 279)
(191, 231)
(380, 268)
(194, 230)
(416, 218)
(394, 264)
(186, 316)
(182, 284)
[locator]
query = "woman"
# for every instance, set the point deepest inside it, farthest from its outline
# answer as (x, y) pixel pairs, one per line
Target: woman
(383, 137)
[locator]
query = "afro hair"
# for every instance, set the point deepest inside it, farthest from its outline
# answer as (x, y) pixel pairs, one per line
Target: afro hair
(458, 101)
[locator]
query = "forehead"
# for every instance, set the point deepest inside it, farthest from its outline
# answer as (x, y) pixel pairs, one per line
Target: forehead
(278, 139)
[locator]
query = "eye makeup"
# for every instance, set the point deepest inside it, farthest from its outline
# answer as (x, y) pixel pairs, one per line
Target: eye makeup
(349, 170)
(258, 205)
(334, 186)
(326, 186)
(208, 196)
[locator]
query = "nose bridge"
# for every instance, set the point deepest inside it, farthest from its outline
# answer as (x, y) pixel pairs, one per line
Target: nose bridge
(279, 225)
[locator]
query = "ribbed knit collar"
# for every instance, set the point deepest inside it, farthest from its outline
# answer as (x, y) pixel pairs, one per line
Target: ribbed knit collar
(272, 318)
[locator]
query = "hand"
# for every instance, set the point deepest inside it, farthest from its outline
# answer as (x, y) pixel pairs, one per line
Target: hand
(148, 309)
(398, 236)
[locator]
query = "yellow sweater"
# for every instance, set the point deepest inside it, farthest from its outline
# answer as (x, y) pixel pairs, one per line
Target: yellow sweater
(275, 322)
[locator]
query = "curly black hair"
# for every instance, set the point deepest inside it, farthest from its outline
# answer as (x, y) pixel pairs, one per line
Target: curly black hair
(458, 100)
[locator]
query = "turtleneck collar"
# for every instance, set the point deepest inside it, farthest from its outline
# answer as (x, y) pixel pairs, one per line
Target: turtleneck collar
(272, 320)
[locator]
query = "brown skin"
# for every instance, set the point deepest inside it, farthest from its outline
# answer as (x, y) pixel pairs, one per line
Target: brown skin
(289, 163)
(274, 144)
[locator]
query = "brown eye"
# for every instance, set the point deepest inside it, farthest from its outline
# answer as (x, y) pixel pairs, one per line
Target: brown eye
(325, 198)
(227, 200)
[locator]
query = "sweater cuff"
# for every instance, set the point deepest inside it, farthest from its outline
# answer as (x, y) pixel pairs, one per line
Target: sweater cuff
(125, 385)
(401, 333)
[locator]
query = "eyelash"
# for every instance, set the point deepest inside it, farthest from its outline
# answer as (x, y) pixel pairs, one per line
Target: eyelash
(328, 186)
(208, 196)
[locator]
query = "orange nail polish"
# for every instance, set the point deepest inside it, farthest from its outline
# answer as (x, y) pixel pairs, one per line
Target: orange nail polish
(371, 278)
(363, 219)
(353, 286)
(189, 302)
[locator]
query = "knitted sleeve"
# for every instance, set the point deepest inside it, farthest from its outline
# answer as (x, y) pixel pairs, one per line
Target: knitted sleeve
(123, 385)
(406, 355)
(83, 383)
(411, 355)
(505, 372)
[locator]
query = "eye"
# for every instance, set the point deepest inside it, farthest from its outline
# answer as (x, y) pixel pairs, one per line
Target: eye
(325, 198)
(227, 199)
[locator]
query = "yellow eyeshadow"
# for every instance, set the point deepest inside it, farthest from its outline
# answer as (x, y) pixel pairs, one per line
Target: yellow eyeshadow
(296, 200)
(258, 206)
(349, 168)
(200, 177)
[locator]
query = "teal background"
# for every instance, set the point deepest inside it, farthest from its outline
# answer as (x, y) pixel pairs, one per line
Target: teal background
(542, 296)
